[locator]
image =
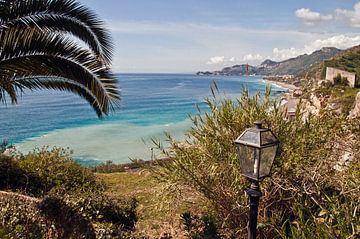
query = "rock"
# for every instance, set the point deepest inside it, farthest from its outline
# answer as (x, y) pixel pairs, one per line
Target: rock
(297, 93)
(355, 112)
(316, 101)
(345, 148)
(10, 151)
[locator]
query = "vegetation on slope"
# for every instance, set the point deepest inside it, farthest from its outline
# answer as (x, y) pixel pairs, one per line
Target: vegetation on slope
(159, 213)
(348, 60)
(301, 63)
(312, 192)
(199, 192)
(48, 195)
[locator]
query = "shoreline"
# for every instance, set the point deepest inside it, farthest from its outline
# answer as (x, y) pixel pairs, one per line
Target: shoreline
(289, 86)
(119, 153)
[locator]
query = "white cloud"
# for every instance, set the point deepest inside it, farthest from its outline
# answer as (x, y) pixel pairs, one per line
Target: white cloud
(188, 47)
(253, 57)
(286, 53)
(216, 60)
(352, 16)
(338, 41)
(310, 17)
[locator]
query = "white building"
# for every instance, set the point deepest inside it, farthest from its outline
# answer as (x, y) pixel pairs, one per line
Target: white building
(331, 73)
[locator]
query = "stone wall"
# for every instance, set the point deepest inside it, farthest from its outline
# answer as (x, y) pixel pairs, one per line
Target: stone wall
(331, 73)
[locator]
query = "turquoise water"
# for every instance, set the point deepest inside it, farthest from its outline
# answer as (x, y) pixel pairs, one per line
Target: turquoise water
(151, 105)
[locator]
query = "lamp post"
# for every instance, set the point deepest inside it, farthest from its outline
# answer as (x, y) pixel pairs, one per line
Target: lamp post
(256, 149)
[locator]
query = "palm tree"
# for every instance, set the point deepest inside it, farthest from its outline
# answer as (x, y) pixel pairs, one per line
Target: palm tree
(55, 44)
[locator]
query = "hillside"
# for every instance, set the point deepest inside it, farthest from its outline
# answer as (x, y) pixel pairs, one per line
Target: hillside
(298, 64)
(292, 66)
(348, 60)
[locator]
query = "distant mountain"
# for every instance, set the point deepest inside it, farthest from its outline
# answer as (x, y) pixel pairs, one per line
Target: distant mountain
(301, 63)
(293, 66)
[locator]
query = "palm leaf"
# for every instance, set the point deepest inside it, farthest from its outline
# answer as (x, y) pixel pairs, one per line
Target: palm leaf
(47, 14)
(38, 51)
(18, 42)
(104, 89)
(62, 84)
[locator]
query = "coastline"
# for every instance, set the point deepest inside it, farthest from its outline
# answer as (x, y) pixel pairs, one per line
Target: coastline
(122, 138)
(289, 86)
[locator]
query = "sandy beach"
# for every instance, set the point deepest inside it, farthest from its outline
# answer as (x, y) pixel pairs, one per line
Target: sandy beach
(282, 84)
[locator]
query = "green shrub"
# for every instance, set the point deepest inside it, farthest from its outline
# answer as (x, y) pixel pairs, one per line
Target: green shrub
(200, 227)
(20, 219)
(108, 167)
(60, 215)
(339, 80)
(42, 170)
(304, 184)
(73, 203)
(3, 146)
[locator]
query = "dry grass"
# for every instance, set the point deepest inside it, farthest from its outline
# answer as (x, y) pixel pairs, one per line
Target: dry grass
(156, 218)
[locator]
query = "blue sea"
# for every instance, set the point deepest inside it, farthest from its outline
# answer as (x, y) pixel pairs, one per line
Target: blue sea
(151, 105)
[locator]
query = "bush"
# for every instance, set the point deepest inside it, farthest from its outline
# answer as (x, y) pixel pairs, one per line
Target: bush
(20, 219)
(42, 170)
(306, 194)
(339, 80)
(108, 167)
(73, 203)
(200, 227)
(4, 145)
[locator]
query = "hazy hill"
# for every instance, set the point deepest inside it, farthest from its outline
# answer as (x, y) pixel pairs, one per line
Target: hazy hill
(301, 63)
(292, 66)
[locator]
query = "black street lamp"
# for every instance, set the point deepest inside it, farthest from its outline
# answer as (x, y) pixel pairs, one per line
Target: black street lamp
(257, 149)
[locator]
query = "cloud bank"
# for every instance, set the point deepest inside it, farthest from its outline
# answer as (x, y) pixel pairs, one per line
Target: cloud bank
(338, 41)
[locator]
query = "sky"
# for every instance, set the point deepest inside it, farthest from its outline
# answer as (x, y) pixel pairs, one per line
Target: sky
(186, 36)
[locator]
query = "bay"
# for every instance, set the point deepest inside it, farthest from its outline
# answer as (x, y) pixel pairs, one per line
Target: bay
(151, 105)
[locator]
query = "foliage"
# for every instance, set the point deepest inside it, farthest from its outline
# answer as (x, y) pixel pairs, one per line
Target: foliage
(19, 219)
(204, 227)
(73, 202)
(340, 96)
(66, 216)
(40, 50)
(339, 80)
(108, 167)
(307, 194)
(348, 60)
(43, 170)
(4, 146)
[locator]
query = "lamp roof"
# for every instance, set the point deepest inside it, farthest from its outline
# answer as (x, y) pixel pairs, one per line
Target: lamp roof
(257, 137)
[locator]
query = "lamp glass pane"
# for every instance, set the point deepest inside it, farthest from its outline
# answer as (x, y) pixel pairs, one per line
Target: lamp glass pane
(251, 137)
(249, 161)
(267, 158)
(267, 137)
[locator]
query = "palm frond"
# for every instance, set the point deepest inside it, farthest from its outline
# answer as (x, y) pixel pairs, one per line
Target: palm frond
(7, 88)
(18, 42)
(104, 89)
(66, 16)
(39, 50)
(62, 84)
